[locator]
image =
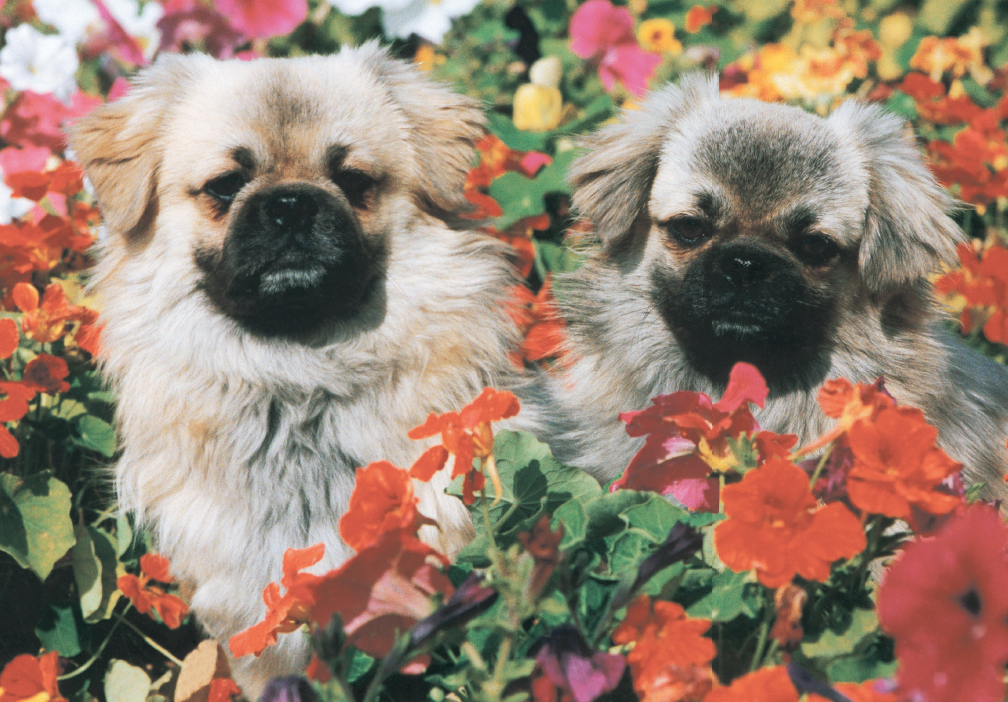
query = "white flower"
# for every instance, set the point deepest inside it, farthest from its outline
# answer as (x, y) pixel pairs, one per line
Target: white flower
(139, 24)
(73, 19)
(42, 64)
(428, 19)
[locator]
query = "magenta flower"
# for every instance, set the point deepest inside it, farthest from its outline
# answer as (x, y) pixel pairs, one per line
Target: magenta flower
(262, 20)
(602, 32)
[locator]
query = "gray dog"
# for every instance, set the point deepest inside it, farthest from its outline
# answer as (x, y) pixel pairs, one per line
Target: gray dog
(735, 230)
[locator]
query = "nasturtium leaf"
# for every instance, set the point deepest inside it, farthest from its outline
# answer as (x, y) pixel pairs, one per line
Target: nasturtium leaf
(68, 409)
(522, 197)
(727, 599)
(554, 258)
(124, 535)
(858, 668)
(126, 683)
(59, 632)
(863, 623)
(94, 566)
(937, 16)
(97, 435)
(43, 504)
(628, 551)
(504, 129)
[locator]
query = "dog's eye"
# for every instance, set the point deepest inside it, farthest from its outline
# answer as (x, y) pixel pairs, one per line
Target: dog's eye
(356, 185)
(224, 188)
(689, 231)
(816, 250)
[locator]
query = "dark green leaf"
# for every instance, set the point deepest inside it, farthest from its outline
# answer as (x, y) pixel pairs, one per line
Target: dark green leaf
(61, 633)
(48, 531)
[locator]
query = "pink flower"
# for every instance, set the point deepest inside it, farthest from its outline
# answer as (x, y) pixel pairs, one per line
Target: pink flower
(37, 120)
(30, 158)
(262, 20)
(200, 26)
(605, 33)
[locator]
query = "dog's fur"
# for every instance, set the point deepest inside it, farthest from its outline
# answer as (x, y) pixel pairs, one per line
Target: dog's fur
(265, 348)
(734, 230)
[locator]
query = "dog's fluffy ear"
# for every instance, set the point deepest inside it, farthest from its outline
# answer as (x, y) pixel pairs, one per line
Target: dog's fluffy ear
(445, 127)
(908, 233)
(612, 180)
(118, 143)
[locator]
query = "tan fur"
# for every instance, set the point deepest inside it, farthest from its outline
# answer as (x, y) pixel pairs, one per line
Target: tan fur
(863, 175)
(236, 447)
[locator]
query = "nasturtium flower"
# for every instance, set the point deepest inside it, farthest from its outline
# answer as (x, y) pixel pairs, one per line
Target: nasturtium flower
(382, 591)
(537, 318)
(13, 406)
(658, 35)
(953, 55)
(286, 612)
(31, 679)
(848, 403)
(257, 19)
(764, 685)
(897, 465)
(146, 594)
(699, 17)
(776, 526)
(945, 604)
(9, 337)
(46, 373)
(466, 435)
(382, 501)
(671, 657)
(46, 320)
(223, 689)
(604, 33)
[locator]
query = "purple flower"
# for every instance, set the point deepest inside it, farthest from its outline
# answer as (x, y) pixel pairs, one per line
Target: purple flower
(571, 666)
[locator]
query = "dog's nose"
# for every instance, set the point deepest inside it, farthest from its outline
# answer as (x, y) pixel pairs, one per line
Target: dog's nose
(743, 266)
(291, 209)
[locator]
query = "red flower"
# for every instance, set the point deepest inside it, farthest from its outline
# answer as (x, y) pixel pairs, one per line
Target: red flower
(12, 408)
(848, 403)
(197, 25)
(539, 322)
(764, 685)
(381, 592)
(945, 603)
(263, 20)
(466, 435)
(687, 436)
(776, 527)
(46, 322)
(671, 659)
(37, 119)
(897, 465)
(9, 337)
(30, 679)
(698, 17)
(382, 501)
(981, 283)
(222, 690)
(45, 373)
(284, 613)
(604, 33)
(146, 596)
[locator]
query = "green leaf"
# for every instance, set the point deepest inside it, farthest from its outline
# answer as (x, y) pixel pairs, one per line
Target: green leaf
(936, 16)
(97, 435)
(68, 409)
(502, 127)
(863, 622)
(94, 566)
(857, 669)
(126, 683)
(43, 504)
(727, 599)
(521, 197)
(555, 258)
(61, 634)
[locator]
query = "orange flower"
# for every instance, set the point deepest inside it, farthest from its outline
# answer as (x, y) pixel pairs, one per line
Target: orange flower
(45, 373)
(285, 613)
(539, 322)
(812, 11)
(957, 56)
(698, 17)
(381, 592)
(146, 596)
(496, 159)
(8, 337)
(30, 679)
(382, 501)
(897, 465)
(979, 287)
(12, 408)
(848, 403)
(466, 435)
(670, 660)
(775, 526)
(764, 685)
(46, 322)
(222, 690)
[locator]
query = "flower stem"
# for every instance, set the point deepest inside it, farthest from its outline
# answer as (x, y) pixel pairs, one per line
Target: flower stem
(154, 644)
(761, 640)
(97, 654)
(819, 466)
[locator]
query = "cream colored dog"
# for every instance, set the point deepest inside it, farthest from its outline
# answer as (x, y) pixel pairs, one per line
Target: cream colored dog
(284, 299)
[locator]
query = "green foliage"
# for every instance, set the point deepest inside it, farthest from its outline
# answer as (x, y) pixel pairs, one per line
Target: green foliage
(36, 528)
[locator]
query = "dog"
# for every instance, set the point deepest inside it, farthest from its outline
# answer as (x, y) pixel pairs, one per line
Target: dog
(729, 230)
(286, 291)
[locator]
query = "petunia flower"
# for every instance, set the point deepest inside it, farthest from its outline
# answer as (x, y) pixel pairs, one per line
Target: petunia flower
(290, 688)
(46, 320)
(604, 33)
(33, 61)
(776, 527)
(763, 685)
(428, 19)
(381, 592)
(263, 20)
(382, 501)
(31, 679)
(671, 657)
(568, 665)
(945, 604)
(466, 435)
(73, 19)
(687, 436)
(146, 595)
(897, 465)
(285, 612)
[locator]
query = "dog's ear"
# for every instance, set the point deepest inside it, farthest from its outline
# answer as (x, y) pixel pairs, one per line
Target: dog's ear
(118, 143)
(612, 180)
(907, 233)
(444, 125)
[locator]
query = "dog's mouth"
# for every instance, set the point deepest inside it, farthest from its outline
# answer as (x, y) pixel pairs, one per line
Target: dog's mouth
(286, 269)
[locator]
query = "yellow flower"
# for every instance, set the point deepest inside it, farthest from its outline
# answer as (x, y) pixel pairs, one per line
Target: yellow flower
(957, 56)
(895, 30)
(658, 35)
(424, 57)
(537, 108)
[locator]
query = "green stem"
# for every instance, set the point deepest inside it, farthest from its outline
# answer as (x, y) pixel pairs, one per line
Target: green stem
(389, 665)
(761, 640)
(154, 644)
(819, 466)
(867, 555)
(97, 654)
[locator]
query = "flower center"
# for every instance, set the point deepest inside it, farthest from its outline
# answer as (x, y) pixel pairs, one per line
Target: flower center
(971, 602)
